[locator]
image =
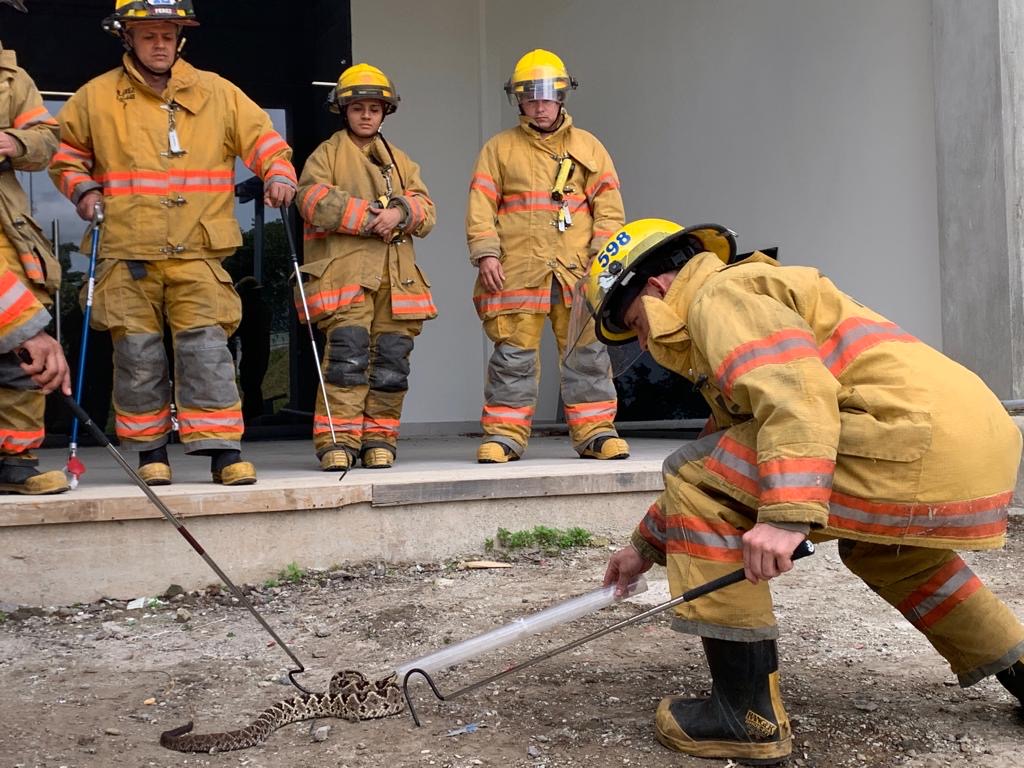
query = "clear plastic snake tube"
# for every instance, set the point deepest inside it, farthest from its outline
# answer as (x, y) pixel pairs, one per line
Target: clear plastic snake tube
(533, 624)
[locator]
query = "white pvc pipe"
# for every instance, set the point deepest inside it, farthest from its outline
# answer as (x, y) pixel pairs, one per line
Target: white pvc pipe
(535, 623)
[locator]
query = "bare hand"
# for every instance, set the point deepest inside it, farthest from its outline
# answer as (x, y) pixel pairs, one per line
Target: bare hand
(43, 359)
(492, 276)
(87, 203)
(384, 222)
(8, 145)
(623, 567)
(278, 194)
(767, 551)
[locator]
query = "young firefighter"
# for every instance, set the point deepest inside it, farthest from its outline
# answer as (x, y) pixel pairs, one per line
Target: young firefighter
(155, 140)
(362, 200)
(833, 422)
(28, 138)
(543, 199)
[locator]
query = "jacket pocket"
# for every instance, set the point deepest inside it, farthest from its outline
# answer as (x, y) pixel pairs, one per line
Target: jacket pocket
(903, 438)
(222, 234)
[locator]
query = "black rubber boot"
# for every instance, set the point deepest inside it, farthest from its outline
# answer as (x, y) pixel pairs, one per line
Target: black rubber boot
(1013, 680)
(743, 719)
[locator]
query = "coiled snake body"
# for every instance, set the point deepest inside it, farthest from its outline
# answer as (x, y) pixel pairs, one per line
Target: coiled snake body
(350, 696)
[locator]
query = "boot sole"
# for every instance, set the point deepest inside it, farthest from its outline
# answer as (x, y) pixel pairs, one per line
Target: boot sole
(772, 753)
(22, 491)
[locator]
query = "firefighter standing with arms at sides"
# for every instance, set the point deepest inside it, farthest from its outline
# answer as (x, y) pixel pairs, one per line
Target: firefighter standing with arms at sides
(154, 141)
(833, 422)
(363, 200)
(543, 199)
(30, 275)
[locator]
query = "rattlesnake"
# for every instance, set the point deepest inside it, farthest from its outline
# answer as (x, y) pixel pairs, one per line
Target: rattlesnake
(350, 696)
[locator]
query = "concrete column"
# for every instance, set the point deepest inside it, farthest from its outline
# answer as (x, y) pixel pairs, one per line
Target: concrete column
(979, 128)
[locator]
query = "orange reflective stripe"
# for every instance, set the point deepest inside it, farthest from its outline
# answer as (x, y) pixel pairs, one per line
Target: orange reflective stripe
(327, 302)
(856, 335)
(19, 441)
(962, 520)
(779, 348)
(118, 183)
(412, 304)
(948, 587)
(796, 479)
(537, 201)
(217, 422)
(15, 299)
(503, 414)
(652, 527)
(33, 266)
(485, 185)
(736, 464)
(605, 182)
(321, 425)
(314, 233)
(133, 426)
(34, 117)
(69, 181)
(281, 168)
(353, 216)
(70, 154)
(528, 299)
(589, 413)
(379, 426)
(707, 539)
(310, 198)
(267, 145)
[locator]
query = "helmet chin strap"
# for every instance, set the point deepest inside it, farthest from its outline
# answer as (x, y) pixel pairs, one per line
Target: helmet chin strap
(125, 41)
(554, 126)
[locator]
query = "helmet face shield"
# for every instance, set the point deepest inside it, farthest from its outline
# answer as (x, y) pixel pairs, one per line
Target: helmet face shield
(538, 90)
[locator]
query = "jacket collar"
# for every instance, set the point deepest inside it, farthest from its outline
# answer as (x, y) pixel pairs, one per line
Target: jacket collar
(181, 87)
(8, 60)
(533, 133)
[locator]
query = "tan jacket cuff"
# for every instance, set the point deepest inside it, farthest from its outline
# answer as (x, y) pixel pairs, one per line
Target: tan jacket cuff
(647, 552)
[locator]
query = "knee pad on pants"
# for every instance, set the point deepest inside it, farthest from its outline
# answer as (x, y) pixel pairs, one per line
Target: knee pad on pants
(348, 356)
(204, 371)
(140, 372)
(390, 371)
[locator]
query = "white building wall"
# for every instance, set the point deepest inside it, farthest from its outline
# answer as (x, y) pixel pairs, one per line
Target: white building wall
(806, 124)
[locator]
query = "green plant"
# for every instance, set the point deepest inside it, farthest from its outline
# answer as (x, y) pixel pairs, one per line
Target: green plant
(488, 544)
(541, 536)
(271, 582)
(292, 573)
(3, 617)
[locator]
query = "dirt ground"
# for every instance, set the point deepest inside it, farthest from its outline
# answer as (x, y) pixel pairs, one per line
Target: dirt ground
(94, 685)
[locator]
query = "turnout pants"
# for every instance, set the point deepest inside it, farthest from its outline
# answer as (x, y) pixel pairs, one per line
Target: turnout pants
(21, 403)
(366, 373)
(700, 524)
(132, 298)
(513, 379)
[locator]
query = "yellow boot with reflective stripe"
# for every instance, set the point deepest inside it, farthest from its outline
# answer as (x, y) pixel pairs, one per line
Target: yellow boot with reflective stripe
(743, 719)
(606, 448)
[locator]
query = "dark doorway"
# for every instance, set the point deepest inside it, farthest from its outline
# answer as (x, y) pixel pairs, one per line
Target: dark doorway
(272, 52)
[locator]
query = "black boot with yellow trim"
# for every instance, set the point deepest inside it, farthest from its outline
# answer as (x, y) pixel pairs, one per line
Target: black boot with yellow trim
(743, 719)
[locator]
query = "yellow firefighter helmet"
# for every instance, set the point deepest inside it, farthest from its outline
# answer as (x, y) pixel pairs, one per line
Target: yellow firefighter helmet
(539, 75)
(363, 81)
(178, 12)
(642, 249)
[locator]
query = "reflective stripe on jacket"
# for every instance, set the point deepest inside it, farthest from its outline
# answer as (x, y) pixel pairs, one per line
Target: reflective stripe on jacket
(21, 315)
(858, 428)
(24, 117)
(339, 184)
(512, 215)
(115, 137)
